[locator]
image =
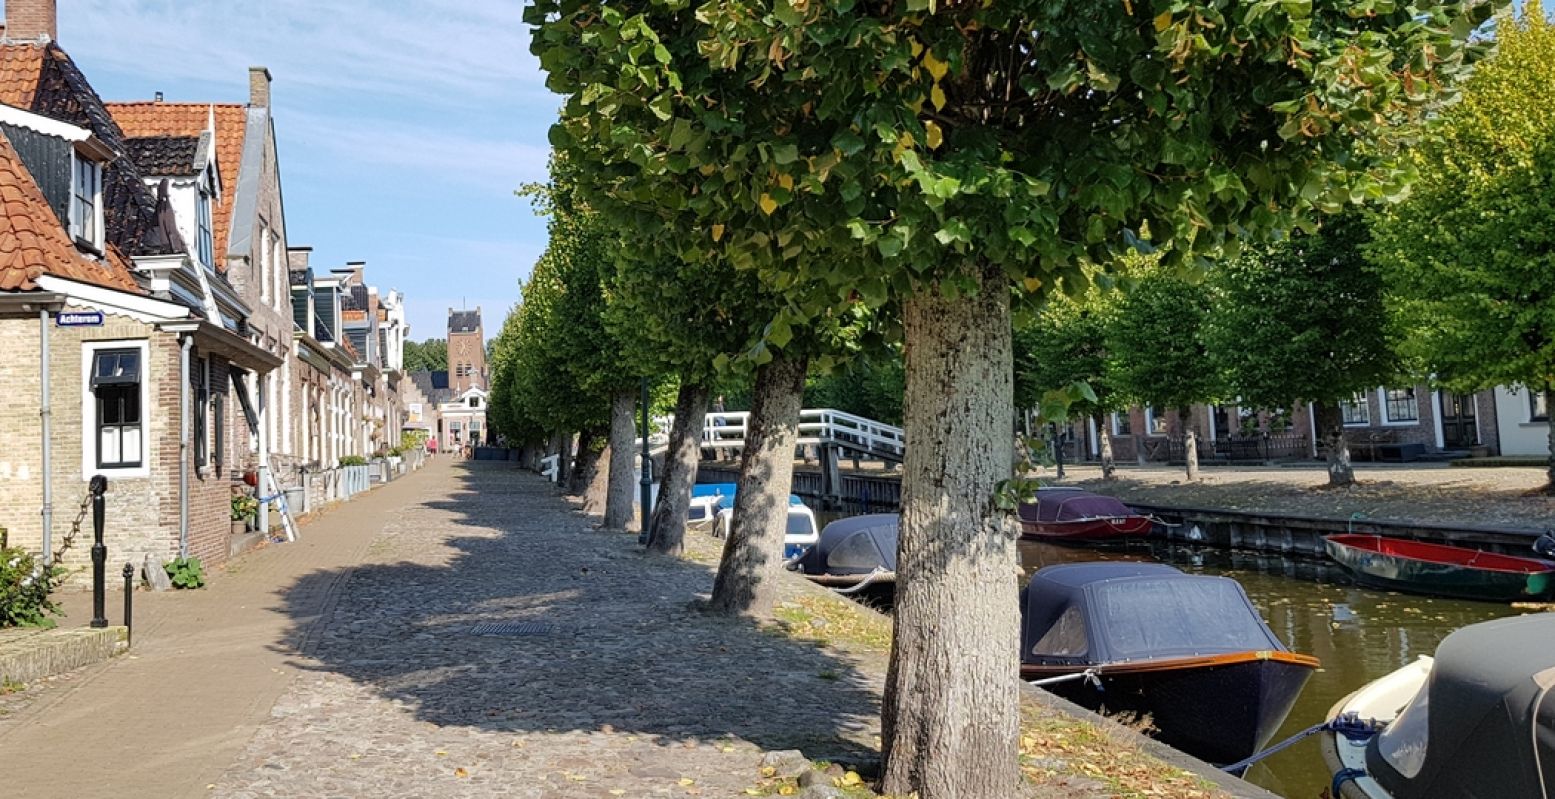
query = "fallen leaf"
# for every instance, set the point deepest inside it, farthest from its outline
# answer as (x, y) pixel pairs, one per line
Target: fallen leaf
(687, 781)
(461, 773)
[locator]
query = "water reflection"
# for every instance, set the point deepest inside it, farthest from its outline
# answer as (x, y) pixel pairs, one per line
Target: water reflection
(1360, 634)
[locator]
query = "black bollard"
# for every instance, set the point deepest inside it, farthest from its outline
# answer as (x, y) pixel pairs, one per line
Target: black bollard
(99, 554)
(129, 601)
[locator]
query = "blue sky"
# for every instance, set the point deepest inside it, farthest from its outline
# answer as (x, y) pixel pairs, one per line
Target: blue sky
(404, 126)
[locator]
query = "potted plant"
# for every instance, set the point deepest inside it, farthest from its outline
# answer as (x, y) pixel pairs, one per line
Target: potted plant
(244, 509)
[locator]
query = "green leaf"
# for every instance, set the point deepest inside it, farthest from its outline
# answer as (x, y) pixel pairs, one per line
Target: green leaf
(784, 154)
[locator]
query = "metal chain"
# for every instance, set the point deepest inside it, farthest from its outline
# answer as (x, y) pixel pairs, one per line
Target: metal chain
(75, 526)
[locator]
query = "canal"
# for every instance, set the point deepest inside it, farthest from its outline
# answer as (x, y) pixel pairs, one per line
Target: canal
(1359, 634)
(1313, 606)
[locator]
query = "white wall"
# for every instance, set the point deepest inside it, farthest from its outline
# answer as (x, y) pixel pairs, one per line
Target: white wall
(1518, 435)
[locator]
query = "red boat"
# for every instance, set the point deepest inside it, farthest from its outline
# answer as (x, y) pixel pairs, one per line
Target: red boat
(1441, 570)
(1070, 514)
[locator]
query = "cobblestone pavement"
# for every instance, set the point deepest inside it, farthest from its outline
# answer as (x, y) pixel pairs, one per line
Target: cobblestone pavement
(620, 686)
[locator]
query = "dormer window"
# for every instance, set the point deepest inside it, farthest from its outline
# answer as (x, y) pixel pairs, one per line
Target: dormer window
(86, 202)
(203, 233)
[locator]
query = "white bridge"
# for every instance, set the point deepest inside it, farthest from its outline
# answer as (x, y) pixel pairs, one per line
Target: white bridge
(826, 429)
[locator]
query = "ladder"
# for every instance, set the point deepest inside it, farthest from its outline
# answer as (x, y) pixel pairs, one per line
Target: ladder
(279, 498)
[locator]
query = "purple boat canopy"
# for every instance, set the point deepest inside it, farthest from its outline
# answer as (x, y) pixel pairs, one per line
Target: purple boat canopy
(1056, 505)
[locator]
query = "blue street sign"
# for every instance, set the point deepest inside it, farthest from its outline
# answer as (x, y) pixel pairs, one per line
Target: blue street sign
(79, 318)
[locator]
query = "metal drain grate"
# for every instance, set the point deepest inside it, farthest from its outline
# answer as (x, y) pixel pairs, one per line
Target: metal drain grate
(513, 628)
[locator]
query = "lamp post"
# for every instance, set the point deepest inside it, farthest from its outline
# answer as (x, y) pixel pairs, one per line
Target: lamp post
(647, 470)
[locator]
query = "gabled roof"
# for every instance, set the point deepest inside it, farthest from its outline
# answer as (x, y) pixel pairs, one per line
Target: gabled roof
(464, 321)
(33, 243)
(41, 78)
(151, 118)
(432, 385)
(169, 156)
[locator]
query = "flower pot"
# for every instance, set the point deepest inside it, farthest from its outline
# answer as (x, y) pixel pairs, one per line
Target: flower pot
(239, 526)
(251, 478)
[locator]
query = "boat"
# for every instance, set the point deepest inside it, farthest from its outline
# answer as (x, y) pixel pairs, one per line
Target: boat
(1144, 640)
(1441, 570)
(1072, 514)
(712, 512)
(1475, 721)
(854, 553)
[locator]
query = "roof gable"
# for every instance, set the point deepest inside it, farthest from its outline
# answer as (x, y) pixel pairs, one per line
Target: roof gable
(166, 156)
(43, 79)
(151, 118)
(32, 242)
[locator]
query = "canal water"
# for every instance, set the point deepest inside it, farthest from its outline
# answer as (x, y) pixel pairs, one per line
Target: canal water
(1359, 634)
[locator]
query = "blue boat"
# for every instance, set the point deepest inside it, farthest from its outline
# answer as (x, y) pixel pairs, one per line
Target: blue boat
(712, 511)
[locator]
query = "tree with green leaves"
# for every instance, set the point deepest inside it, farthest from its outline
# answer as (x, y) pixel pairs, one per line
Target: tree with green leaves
(1063, 344)
(1301, 321)
(1158, 351)
(430, 355)
(947, 155)
(1468, 259)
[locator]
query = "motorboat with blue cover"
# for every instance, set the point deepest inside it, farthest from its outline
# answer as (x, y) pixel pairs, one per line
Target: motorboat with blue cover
(858, 550)
(1476, 721)
(712, 512)
(1190, 652)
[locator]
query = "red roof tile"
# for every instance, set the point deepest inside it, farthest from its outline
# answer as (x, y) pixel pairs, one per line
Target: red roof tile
(150, 118)
(20, 68)
(33, 243)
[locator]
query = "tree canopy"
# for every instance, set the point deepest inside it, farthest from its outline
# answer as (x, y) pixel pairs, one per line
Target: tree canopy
(431, 355)
(1156, 344)
(1302, 320)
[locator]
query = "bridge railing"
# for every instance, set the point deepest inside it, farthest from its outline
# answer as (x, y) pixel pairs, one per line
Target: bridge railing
(818, 426)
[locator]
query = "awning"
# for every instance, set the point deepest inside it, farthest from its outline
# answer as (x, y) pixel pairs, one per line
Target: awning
(214, 340)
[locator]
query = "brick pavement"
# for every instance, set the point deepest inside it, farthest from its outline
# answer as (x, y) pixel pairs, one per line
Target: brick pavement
(207, 665)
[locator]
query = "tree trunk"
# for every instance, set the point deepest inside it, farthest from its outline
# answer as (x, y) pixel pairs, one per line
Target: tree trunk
(753, 553)
(623, 440)
(1109, 468)
(1190, 444)
(668, 533)
(1330, 423)
(950, 715)
(589, 443)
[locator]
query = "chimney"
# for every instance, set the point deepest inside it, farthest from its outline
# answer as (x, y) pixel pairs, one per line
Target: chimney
(31, 20)
(259, 87)
(297, 257)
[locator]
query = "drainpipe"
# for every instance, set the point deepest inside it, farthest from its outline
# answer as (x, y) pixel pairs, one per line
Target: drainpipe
(46, 415)
(261, 399)
(183, 446)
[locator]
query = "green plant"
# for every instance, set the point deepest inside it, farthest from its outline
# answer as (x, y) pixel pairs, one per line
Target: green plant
(185, 572)
(353, 460)
(25, 585)
(244, 507)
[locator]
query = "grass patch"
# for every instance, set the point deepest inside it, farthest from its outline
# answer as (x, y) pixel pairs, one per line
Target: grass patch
(835, 622)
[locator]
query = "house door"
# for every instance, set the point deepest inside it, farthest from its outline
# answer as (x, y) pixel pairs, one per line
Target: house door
(1458, 426)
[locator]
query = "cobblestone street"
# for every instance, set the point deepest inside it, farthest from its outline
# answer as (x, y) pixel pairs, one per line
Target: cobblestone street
(619, 685)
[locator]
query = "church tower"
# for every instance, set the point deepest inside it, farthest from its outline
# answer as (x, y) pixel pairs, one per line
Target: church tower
(466, 351)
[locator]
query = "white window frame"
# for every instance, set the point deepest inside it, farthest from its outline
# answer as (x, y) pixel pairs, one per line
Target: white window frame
(1534, 396)
(1382, 402)
(1360, 400)
(89, 442)
(1117, 427)
(205, 242)
(78, 231)
(1150, 423)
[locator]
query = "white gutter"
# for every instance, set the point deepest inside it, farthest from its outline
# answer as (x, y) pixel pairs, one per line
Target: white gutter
(46, 415)
(183, 445)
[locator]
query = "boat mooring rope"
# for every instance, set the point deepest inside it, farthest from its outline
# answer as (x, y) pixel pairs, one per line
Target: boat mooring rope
(1343, 776)
(1089, 675)
(869, 578)
(1347, 725)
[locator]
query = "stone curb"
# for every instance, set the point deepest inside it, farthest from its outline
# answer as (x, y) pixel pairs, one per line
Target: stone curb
(28, 655)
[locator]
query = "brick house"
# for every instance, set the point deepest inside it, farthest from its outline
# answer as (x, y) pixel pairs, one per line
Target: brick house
(1380, 424)
(130, 345)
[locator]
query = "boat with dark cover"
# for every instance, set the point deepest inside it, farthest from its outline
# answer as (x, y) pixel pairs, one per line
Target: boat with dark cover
(858, 550)
(1188, 651)
(1071, 514)
(1475, 722)
(1440, 570)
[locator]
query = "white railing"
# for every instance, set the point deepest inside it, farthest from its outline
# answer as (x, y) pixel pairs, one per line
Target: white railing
(727, 430)
(550, 467)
